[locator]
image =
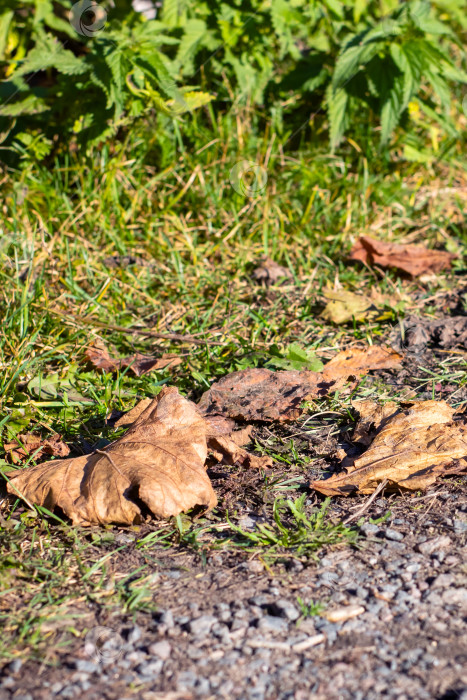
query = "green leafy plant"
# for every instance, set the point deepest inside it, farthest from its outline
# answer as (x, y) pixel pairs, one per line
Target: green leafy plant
(388, 66)
(292, 529)
(310, 609)
(64, 87)
(295, 357)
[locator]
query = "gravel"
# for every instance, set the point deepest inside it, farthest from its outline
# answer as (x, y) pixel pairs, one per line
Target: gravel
(229, 631)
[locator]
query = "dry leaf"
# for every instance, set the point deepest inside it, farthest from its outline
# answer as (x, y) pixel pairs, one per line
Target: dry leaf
(412, 446)
(447, 333)
(133, 414)
(414, 260)
(343, 307)
(223, 441)
(261, 394)
(359, 361)
(159, 462)
(27, 444)
(227, 449)
(269, 272)
(98, 356)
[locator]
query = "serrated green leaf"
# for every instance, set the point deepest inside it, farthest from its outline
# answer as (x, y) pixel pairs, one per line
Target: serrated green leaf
(337, 103)
(5, 21)
(31, 104)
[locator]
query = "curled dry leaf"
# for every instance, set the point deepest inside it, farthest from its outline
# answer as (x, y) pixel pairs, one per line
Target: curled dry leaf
(26, 445)
(98, 356)
(411, 447)
(270, 272)
(228, 449)
(414, 260)
(159, 462)
(224, 442)
(261, 394)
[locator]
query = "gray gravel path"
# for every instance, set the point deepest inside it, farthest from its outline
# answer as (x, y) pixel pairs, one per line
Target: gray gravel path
(236, 630)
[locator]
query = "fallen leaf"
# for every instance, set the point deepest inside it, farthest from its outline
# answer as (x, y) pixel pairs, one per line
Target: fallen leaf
(25, 445)
(269, 272)
(159, 462)
(343, 307)
(447, 333)
(359, 361)
(372, 417)
(414, 260)
(261, 394)
(411, 448)
(98, 356)
(226, 449)
(133, 414)
(223, 441)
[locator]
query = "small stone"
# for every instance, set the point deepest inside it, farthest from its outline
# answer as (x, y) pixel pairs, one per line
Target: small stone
(201, 625)
(391, 534)
(86, 666)
(15, 665)
(270, 623)
(134, 635)
(246, 523)
(369, 529)
(255, 566)
(167, 619)
(161, 649)
(443, 581)
(186, 680)
(173, 573)
(150, 669)
(284, 608)
(460, 526)
(455, 596)
(429, 546)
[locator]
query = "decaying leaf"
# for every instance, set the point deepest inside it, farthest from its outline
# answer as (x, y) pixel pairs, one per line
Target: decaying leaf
(261, 394)
(26, 445)
(359, 361)
(414, 260)
(412, 446)
(98, 356)
(159, 462)
(270, 272)
(224, 442)
(447, 333)
(344, 307)
(229, 449)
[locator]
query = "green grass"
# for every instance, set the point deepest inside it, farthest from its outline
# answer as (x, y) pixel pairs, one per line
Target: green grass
(198, 240)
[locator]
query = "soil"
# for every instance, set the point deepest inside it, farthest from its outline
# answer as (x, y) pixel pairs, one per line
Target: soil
(225, 624)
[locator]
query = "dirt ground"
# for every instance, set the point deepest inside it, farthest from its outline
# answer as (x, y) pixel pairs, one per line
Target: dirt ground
(233, 623)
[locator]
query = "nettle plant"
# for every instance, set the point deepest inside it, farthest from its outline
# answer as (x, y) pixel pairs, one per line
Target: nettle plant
(84, 79)
(72, 75)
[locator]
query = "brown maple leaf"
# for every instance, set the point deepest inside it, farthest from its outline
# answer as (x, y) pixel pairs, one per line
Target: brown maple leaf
(410, 447)
(99, 357)
(224, 442)
(264, 395)
(159, 462)
(26, 445)
(414, 260)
